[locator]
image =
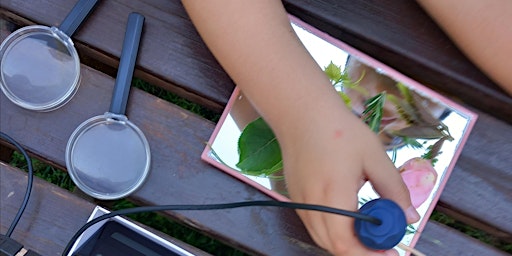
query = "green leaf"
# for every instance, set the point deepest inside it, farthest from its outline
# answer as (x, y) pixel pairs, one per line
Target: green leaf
(434, 150)
(259, 150)
(372, 115)
(349, 83)
(346, 99)
(413, 143)
(333, 72)
(405, 92)
(410, 229)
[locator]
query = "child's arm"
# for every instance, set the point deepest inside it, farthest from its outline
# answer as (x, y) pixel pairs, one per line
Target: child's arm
(482, 30)
(327, 151)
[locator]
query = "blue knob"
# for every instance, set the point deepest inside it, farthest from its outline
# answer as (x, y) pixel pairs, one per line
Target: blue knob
(391, 230)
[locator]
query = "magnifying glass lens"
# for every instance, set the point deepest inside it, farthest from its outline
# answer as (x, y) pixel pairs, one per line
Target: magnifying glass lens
(39, 71)
(108, 159)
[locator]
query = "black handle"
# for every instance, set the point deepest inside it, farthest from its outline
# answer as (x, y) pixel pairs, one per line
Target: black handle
(127, 63)
(80, 11)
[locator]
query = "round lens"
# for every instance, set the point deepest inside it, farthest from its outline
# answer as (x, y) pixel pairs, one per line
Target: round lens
(108, 159)
(39, 70)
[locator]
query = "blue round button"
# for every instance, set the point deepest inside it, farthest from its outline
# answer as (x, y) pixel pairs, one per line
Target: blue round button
(391, 230)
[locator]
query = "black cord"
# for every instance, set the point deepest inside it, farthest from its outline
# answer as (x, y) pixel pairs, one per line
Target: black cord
(272, 203)
(29, 183)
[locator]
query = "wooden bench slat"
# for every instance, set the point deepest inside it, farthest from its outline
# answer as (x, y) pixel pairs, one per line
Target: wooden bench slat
(62, 202)
(445, 241)
(52, 215)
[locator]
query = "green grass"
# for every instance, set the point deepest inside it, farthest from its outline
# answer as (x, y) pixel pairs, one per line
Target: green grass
(471, 231)
(175, 99)
(44, 171)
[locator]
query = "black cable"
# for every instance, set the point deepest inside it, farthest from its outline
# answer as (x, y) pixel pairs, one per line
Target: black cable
(29, 183)
(272, 203)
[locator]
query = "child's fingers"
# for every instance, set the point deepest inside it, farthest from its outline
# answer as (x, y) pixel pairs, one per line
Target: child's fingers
(387, 181)
(333, 232)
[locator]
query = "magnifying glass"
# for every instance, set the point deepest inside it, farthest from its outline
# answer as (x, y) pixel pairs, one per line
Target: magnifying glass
(107, 156)
(39, 65)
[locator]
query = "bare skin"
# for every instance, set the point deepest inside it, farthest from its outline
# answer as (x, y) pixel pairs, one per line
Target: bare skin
(482, 30)
(328, 152)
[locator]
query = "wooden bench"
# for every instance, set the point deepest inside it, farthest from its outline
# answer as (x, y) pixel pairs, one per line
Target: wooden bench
(173, 57)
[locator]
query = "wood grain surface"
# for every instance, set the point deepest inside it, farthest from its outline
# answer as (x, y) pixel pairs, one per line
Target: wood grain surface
(173, 57)
(52, 215)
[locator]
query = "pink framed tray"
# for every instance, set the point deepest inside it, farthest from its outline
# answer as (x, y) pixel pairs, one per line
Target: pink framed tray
(449, 122)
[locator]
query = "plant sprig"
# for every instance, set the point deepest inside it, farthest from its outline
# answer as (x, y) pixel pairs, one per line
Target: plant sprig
(342, 80)
(374, 108)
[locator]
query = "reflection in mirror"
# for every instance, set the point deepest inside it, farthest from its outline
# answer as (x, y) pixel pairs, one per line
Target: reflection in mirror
(423, 132)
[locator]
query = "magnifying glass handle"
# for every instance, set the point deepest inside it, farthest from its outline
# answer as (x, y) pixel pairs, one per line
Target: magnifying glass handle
(80, 11)
(127, 63)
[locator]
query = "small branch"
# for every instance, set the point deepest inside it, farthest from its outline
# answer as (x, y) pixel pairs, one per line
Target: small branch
(410, 249)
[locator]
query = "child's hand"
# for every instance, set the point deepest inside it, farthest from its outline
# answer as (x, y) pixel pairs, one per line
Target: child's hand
(328, 167)
(328, 153)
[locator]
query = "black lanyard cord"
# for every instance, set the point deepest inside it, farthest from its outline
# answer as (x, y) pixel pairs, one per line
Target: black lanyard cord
(29, 182)
(266, 203)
